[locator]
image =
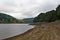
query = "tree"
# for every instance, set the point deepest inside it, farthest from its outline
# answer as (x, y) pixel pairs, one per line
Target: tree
(49, 16)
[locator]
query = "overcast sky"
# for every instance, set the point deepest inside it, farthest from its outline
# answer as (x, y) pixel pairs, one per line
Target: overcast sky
(27, 8)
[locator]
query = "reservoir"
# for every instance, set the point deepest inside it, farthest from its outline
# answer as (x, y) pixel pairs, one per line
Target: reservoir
(10, 30)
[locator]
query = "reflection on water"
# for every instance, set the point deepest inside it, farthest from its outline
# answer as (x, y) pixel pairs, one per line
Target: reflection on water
(9, 30)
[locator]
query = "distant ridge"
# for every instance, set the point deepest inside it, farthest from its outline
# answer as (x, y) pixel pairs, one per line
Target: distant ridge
(28, 20)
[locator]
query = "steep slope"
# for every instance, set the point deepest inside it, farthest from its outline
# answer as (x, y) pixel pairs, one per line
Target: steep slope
(48, 31)
(49, 16)
(4, 18)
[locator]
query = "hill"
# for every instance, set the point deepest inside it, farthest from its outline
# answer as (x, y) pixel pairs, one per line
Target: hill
(47, 31)
(4, 18)
(28, 20)
(49, 16)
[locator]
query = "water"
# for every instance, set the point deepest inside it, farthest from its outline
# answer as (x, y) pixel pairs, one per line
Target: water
(10, 30)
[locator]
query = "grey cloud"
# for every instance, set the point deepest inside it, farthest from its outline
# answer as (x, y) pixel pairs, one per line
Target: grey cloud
(27, 8)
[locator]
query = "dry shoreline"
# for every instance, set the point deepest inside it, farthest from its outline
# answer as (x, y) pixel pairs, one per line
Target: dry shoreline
(48, 31)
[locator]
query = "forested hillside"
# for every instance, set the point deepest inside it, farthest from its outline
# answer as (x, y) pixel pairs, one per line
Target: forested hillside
(4, 18)
(49, 16)
(28, 20)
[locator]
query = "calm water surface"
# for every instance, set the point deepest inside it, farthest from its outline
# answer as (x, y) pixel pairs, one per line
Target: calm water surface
(10, 30)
